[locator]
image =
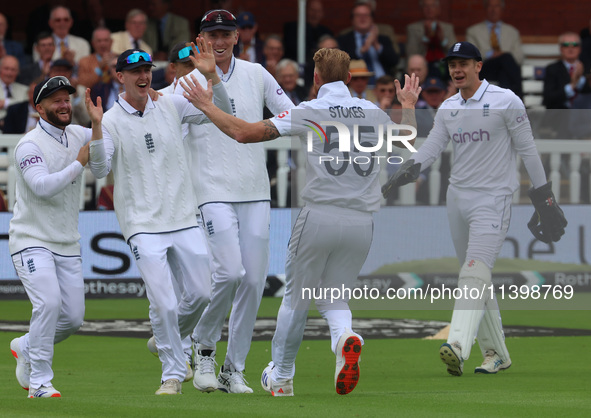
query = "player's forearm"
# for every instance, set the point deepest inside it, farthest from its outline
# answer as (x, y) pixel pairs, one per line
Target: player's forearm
(221, 99)
(228, 124)
(408, 118)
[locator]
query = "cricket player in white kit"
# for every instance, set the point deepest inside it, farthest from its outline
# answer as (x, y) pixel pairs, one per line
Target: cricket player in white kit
(43, 234)
(231, 186)
(333, 232)
(489, 127)
(154, 203)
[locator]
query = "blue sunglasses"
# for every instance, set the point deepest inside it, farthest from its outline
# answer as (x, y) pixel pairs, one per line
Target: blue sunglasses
(186, 51)
(137, 56)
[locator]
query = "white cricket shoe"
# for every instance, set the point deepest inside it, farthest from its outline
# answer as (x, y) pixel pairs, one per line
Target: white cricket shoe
(23, 367)
(44, 392)
(492, 363)
(282, 387)
(204, 378)
(232, 381)
(451, 354)
(154, 350)
(346, 374)
(170, 387)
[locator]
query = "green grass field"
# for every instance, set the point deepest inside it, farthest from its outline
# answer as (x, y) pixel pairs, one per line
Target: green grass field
(109, 376)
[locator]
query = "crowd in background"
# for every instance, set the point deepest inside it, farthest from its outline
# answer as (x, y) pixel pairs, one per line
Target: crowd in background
(378, 57)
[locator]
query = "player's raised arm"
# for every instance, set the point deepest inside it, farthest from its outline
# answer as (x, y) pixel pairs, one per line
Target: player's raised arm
(232, 126)
(408, 97)
(204, 60)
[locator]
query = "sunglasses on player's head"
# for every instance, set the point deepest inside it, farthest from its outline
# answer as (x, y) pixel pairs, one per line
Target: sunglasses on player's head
(567, 44)
(185, 52)
(53, 83)
(218, 15)
(137, 56)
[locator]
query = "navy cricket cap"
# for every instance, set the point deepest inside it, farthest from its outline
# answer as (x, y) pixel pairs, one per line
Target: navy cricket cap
(133, 58)
(47, 87)
(218, 19)
(463, 50)
(245, 19)
(433, 83)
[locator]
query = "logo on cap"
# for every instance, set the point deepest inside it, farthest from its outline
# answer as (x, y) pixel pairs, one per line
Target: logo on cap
(457, 47)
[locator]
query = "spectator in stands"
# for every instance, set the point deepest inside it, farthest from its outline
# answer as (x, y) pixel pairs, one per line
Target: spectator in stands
(586, 32)
(364, 42)
(22, 117)
(95, 67)
(136, 23)
(39, 69)
(314, 31)
(165, 29)
(500, 45)
(417, 65)
(272, 52)
(327, 41)
(360, 75)
(10, 47)
(287, 77)
(67, 46)
(385, 92)
(11, 92)
(249, 46)
(64, 68)
(431, 38)
(108, 91)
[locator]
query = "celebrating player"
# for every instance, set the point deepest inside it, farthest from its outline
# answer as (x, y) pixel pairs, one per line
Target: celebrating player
(232, 189)
(333, 232)
(488, 126)
(154, 203)
(45, 249)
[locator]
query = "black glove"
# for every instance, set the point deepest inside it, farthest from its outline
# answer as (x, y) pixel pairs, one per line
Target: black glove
(548, 222)
(406, 173)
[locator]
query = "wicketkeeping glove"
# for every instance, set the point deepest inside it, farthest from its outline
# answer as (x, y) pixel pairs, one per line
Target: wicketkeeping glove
(548, 222)
(408, 172)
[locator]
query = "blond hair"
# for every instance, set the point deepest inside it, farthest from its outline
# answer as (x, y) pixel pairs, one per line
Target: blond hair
(332, 64)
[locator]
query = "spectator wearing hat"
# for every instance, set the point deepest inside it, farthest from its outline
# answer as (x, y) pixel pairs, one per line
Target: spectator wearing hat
(249, 46)
(63, 67)
(108, 90)
(165, 29)
(95, 67)
(360, 75)
(39, 69)
(11, 92)
(136, 24)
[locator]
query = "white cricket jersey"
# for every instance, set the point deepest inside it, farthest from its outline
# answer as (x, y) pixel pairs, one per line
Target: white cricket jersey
(222, 169)
(487, 132)
(47, 216)
(345, 179)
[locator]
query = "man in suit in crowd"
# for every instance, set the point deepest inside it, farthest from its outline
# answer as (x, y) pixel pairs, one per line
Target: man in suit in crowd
(500, 45)
(39, 69)
(249, 46)
(11, 92)
(165, 29)
(364, 42)
(10, 47)
(314, 31)
(136, 23)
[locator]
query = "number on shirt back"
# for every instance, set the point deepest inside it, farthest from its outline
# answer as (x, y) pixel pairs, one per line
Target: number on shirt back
(343, 160)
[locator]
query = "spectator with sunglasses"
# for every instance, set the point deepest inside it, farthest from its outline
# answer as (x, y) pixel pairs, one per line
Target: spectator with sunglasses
(231, 185)
(45, 249)
(155, 206)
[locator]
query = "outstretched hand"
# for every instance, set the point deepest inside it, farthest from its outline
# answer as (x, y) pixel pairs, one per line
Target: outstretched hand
(94, 112)
(409, 95)
(197, 95)
(204, 59)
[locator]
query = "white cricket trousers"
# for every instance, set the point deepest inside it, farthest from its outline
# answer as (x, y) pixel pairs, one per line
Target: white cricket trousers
(327, 249)
(238, 238)
(55, 288)
(478, 223)
(161, 259)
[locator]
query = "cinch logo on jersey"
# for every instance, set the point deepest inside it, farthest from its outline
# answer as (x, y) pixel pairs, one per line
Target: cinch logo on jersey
(25, 162)
(345, 136)
(475, 136)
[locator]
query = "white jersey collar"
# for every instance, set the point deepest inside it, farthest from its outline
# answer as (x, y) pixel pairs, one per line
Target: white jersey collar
(334, 87)
(131, 110)
(479, 93)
